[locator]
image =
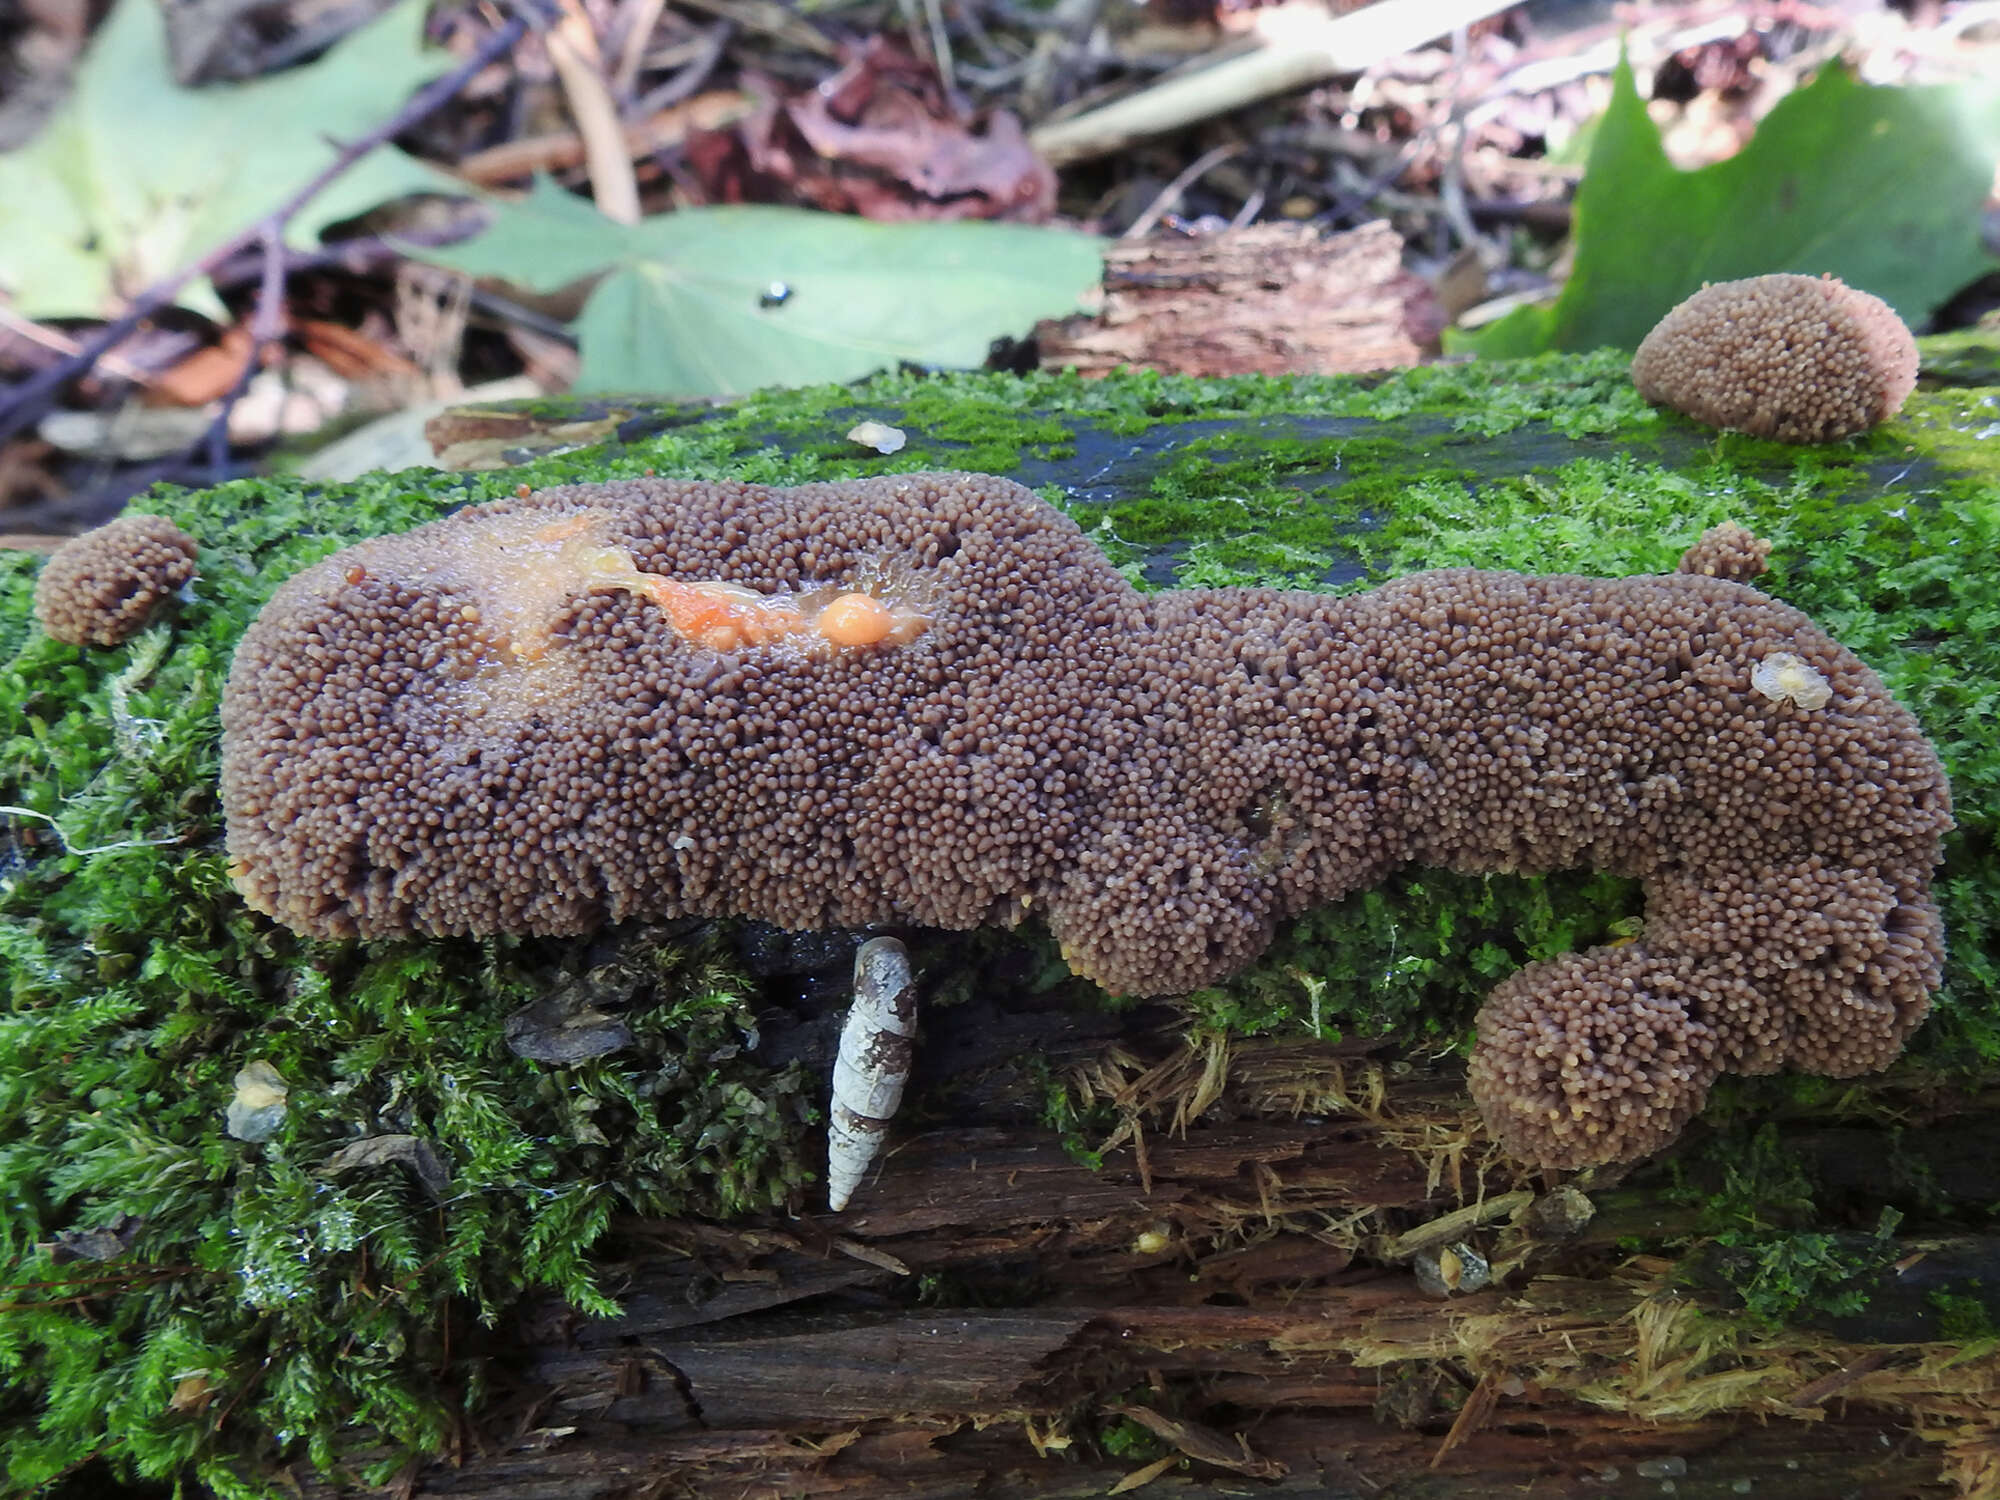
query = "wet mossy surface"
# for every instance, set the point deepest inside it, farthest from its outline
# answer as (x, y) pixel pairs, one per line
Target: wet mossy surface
(184, 1302)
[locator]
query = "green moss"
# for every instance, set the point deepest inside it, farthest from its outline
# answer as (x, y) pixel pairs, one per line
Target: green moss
(1962, 1316)
(136, 988)
(1414, 956)
(1124, 1439)
(1782, 1277)
(1743, 1183)
(1970, 357)
(1754, 1196)
(1740, 1103)
(1078, 1126)
(1958, 428)
(251, 1303)
(1577, 396)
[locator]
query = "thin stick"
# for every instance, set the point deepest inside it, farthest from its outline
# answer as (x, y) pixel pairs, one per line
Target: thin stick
(691, 76)
(655, 131)
(1348, 44)
(27, 401)
(267, 326)
(641, 16)
(62, 343)
(913, 26)
(360, 255)
(1451, 190)
(573, 49)
(941, 44)
(771, 19)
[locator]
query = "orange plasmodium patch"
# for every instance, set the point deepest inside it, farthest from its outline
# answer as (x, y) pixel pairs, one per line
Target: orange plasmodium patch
(534, 569)
(856, 620)
(864, 620)
(724, 616)
(523, 573)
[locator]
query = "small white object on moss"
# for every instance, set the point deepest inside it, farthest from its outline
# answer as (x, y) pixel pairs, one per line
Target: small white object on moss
(877, 435)
(257, 1111)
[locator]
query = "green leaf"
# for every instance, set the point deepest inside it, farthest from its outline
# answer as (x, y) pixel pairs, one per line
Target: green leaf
(544, 243)
(136, 176)
(1880, 186)
(683, 309)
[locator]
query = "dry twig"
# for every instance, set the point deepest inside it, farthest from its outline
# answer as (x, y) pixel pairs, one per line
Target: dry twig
(267, 326)
(640, 19)
(657, 131)
(573, 49)
(1346, 44)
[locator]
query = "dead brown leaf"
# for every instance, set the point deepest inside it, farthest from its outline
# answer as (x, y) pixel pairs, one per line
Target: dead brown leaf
(207, 374)
(410, 1151)
(1472, 1416)
(350, 353)
(27, 474)
(1140, 1478)
(879, 138)
(192, 1394)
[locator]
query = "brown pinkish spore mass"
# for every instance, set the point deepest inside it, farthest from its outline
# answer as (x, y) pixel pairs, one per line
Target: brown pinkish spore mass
(1727, 551)
(1161, 778)
(1803, 359)
(103, 587)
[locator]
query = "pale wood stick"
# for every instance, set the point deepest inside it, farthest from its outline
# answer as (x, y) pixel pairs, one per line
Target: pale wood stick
(573, 49)
(641, 17)
(513, 160)
(1345, 44)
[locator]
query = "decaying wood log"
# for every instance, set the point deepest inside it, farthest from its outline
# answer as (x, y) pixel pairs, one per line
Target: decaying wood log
(1245, 1287)
(1269, 299)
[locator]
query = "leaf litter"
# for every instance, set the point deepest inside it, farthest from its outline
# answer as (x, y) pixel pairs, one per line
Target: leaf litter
(881, 139)
(136, 175)
(904, 113)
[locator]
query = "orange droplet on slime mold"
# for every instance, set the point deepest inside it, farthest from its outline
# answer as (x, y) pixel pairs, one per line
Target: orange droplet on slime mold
(856, 620)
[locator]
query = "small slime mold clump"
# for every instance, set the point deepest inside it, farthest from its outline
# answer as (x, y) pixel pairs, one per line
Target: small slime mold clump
(101, 588)
(1803, 359)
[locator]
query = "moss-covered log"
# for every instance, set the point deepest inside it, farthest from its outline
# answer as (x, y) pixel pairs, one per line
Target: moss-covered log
(541, 1218)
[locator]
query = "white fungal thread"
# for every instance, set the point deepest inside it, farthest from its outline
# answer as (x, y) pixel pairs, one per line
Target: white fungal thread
(876, 1048)
(1783, 677)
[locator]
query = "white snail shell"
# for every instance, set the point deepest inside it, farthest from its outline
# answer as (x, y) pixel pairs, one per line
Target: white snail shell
(876, 1048)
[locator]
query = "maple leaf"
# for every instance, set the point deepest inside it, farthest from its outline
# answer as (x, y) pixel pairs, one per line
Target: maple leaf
(1882, 187)
(135, 176)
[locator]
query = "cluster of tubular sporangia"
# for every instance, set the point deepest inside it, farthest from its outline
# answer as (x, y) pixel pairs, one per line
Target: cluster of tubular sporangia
(103, 587)
(1802, 359)
(650, 698)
